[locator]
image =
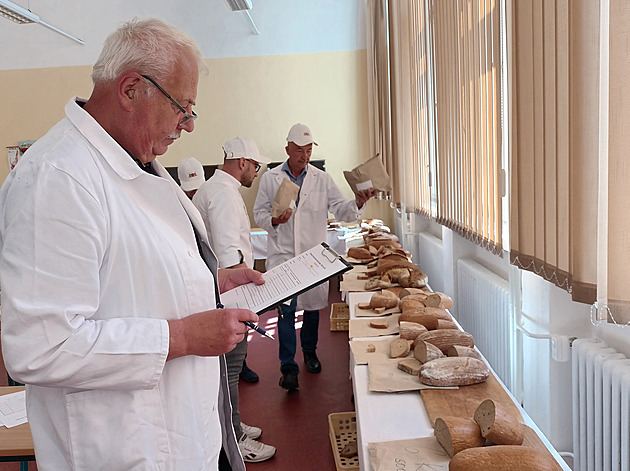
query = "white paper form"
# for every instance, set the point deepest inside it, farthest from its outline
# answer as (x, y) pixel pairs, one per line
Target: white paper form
(292, 277)
(13, 409)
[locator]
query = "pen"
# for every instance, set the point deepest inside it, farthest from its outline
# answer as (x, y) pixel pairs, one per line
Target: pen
(251, 325)
(258, 329)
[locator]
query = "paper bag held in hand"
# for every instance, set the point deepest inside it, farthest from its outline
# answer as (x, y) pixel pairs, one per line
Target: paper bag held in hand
(285, 198)
(370, 174)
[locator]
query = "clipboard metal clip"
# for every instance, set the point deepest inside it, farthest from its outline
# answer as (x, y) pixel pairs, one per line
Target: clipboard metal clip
(328, 253)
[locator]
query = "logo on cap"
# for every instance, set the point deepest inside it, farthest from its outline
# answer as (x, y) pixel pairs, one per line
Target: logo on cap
(193, 174)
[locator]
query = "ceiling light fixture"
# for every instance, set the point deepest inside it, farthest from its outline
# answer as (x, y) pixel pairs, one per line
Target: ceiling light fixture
(239, 5)
(244, 6)
(19, 15)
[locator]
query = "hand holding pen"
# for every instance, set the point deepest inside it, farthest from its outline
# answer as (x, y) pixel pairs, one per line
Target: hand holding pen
(251, 325)
(258, 329)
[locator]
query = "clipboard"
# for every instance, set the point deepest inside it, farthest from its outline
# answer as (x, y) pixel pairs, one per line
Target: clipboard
(287, 280)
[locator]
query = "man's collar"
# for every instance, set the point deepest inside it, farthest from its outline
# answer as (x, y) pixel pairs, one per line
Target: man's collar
(285, 167)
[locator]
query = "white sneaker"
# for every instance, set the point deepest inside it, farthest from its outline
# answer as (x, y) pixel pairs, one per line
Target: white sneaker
(251, 431)
(253, 451)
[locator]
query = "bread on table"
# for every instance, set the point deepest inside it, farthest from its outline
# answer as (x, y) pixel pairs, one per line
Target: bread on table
(498, 425)
(454, 371)
(502, 458)
(456, 434)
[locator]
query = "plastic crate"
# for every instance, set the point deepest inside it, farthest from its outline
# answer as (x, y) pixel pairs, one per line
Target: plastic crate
(339, 317)
(342, 430)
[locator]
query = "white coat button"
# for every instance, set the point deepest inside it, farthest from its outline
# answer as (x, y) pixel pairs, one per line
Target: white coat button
(191, 253)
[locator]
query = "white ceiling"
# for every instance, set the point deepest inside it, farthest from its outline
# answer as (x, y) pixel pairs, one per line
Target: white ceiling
(285, 26)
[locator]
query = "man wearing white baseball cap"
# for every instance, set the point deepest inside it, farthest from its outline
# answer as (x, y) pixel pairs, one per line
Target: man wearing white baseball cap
(297, 231)
(225, 216)
(191, 175)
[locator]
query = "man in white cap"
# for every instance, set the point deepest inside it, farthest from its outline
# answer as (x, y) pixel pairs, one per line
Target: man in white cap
(225, 215)
(191, 175)
(297, 231)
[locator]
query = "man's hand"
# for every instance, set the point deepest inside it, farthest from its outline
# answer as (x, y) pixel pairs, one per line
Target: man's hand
(364, 195)
(208, 333)
(284, 217)
(230, 278)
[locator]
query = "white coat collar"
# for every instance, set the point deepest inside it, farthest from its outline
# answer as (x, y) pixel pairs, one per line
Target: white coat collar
(222, 176)
(117, 157)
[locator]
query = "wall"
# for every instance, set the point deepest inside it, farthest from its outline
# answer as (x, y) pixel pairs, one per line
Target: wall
(308, 64)
(543, 384)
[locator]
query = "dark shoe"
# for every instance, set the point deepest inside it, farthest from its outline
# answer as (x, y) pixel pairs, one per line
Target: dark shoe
(248, 375)
(289, 381)
(312, 362)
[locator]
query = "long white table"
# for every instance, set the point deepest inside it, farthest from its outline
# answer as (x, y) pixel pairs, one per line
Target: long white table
(383, 417)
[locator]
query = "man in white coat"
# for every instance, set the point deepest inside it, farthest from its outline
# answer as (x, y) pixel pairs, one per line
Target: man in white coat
(297, 231)
(109, 287)
(225, 216)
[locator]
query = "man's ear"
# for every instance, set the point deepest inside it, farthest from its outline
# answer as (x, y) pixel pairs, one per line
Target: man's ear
(128, 90)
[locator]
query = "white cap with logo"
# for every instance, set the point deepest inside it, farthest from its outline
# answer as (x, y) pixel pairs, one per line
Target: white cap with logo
(301, 135)
(190, 173)
(243, 147)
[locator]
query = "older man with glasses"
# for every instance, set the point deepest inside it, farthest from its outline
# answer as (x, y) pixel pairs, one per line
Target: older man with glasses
(109, 287)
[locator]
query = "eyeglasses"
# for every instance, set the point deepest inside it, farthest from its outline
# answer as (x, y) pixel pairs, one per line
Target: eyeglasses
(187, 116)
(255, 163)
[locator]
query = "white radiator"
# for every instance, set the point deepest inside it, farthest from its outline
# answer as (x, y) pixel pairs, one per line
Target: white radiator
(484, 310)
(601, 407)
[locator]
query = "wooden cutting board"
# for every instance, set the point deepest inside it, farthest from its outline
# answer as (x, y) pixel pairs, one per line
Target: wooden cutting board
(464, 401)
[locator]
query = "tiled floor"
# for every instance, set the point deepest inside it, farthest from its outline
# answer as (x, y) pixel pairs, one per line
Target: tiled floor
(295, 423)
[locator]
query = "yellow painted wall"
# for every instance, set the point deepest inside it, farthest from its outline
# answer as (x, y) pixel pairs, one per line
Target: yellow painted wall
(258, 97)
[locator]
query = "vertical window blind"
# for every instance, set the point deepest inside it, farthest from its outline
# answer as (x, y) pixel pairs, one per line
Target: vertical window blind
(442, 109)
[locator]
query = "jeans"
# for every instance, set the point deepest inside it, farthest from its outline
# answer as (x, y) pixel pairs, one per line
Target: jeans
(287, 338)
(234, 360)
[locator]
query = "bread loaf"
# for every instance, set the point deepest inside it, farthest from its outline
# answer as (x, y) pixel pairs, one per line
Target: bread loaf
(419, 317)
(454, 371)
(446, 338)
(425, 352)
(457, 433)
(410, 365)
(385, 299)
(461, 351)
(498, 425)
(399, 348)
(412, 301)
(447, 324)
(411, 330)
(360, 253)
(438, 312)
(503, 458)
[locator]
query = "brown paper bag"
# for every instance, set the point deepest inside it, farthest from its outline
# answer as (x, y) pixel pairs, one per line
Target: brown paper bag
(370, 174)
(285, 198)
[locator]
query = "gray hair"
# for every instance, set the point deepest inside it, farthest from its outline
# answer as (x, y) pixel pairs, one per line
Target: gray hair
(149, 47)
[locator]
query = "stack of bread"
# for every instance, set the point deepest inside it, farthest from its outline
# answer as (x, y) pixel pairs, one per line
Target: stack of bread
(389, 264)
(433, 347)
(443, 354)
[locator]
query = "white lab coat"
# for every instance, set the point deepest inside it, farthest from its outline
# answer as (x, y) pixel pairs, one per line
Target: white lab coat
(307, 226)
(96, 255)
(225, 215)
